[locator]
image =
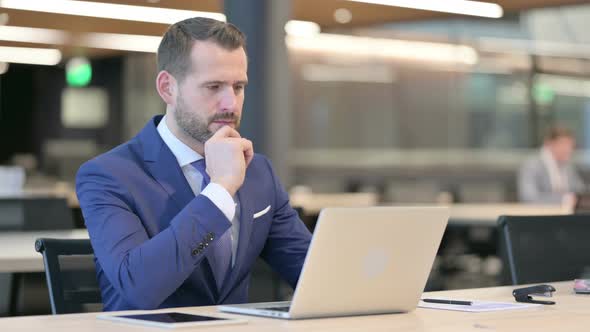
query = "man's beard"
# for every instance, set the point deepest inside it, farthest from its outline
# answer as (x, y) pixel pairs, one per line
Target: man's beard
(196, 126)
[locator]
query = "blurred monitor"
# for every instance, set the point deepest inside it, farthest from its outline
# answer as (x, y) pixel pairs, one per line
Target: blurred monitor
(582, 203)
(12, 180)
(35, 214)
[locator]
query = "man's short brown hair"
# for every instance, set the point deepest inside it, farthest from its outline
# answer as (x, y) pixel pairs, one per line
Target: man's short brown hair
(557, 132)
(175, 47)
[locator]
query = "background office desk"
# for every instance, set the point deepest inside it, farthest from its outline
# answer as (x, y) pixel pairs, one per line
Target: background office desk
(17, 249)
(571, 313)
(487, 214)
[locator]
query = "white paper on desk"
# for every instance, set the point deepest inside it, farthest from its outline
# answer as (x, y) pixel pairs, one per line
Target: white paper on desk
(479, 306)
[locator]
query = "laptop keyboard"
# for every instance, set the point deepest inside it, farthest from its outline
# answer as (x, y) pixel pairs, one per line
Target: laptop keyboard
(283, 309)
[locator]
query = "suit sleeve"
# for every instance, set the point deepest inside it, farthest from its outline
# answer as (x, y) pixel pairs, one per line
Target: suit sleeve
(289, 239)
(144, 270)
(577, 183)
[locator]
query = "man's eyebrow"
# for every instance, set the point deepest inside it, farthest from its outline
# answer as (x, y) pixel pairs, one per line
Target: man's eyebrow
(244, 82)
(213, 82)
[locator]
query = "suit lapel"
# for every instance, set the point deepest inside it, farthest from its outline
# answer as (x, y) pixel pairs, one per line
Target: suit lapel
(163, 165)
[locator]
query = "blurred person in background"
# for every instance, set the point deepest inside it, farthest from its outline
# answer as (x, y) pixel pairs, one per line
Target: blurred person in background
(178, 215)
(550, 177)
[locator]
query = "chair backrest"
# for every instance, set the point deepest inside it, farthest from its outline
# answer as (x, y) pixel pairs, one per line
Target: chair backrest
(71, 275)
(35, 214)
(545, 248)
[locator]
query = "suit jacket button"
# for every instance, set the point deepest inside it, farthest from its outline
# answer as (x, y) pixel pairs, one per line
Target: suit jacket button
(211, 236)
(201, 246)
(195, 252)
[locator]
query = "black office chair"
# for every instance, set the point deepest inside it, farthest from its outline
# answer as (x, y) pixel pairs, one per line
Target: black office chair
(31, 213)
(544, 248)
(71, 275)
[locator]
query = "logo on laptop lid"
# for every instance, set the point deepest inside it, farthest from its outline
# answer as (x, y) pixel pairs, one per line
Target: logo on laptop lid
(376, 261)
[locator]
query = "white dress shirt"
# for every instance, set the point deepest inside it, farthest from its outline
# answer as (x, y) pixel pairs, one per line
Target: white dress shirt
(215, 192)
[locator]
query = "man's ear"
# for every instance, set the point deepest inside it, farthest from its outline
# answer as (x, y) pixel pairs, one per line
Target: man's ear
(167, 87)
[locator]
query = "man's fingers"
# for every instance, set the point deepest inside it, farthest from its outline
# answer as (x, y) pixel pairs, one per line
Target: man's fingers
(246, 146)
(248, 149)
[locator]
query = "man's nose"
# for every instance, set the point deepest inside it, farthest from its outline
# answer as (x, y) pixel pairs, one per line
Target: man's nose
(228, 99)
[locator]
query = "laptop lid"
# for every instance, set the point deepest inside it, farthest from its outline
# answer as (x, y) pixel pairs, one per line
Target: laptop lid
(363, 261)
(368, 260)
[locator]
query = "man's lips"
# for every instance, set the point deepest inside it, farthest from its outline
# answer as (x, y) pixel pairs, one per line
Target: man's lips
(224, 122)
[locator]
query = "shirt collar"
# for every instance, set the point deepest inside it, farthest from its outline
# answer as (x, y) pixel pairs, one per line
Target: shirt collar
(183, 153)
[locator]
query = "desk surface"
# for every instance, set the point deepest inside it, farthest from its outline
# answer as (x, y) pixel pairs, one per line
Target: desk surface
(571, 313)
(17, 249)
(487, 214)
(313, 203)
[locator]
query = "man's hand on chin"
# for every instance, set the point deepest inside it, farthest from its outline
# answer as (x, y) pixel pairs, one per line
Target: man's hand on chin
(227, 155)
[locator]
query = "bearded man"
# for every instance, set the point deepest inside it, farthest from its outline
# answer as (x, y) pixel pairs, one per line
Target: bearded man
(178, 215)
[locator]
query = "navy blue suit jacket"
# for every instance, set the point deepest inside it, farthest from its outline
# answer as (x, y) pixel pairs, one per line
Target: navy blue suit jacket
(151, 235)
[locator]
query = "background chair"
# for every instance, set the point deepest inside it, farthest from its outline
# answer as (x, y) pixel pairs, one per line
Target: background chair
(544, 248)
(71, 275)
(29, 213)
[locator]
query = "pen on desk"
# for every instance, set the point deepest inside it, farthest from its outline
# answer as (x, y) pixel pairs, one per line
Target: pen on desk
(441, 301)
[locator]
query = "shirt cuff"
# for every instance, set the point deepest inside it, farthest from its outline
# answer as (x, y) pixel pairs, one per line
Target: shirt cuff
(221, 198)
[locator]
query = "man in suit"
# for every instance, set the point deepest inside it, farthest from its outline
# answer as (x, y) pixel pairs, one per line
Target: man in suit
(178, 215)
(550, 177)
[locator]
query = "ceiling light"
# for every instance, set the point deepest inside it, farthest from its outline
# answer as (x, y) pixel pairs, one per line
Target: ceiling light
(108, 10)
(33, 35)
(112, 41)
(342, 15)
(119, 41)
(464, 7)
(368, 47)
(27, 55)
(301, 28)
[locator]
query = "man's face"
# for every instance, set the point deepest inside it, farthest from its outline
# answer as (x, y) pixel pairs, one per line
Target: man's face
(562, 148)
(211, 95)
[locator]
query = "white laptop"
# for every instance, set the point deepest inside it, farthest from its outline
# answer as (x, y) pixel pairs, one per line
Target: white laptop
(371, 260)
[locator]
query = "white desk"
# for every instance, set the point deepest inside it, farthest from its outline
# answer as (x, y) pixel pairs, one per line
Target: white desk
(571, 314)
(17, 249)
(312, 203)
(461, 214)
(487, 214)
